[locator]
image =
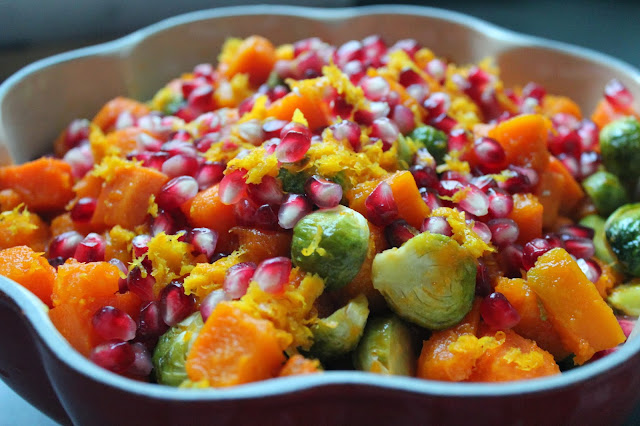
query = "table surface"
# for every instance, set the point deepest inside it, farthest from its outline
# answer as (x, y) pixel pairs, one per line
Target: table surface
(591, 23)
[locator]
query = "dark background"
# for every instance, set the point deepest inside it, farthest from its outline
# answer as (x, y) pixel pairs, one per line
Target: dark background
(28, 34)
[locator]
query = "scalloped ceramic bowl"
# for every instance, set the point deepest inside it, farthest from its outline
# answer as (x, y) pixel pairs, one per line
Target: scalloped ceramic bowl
(41, 366)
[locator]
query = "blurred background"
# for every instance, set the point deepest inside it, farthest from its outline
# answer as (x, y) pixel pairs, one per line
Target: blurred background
(33, 29)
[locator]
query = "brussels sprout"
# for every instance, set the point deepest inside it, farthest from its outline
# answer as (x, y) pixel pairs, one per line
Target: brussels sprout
(433, 139)
(429, 281)
(603, 252)
(620, 148)
(339, 333)
(292, 181)
(170, 355)
(622, 230)
(387, 347)
(332, 243)
(405, 152)
(626, 298)
(606, 191)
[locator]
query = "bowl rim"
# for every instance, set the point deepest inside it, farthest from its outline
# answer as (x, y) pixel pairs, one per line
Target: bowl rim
(36, 312)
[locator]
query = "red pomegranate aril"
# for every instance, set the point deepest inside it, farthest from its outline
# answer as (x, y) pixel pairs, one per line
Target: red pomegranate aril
(490, 154)
(209, 173)
(349, 131)
(444, 122)
(142, 364)
(533, 250)
(565, 143)
(483, 280)
(408, 76)
(64, 245)
(268, 191)
(500, 203)
(340, 107)
(90, 249)
(265, 217)
(474, 201)
(399, 232)
(272, 274)
(139, 245)
(77, 131)
(374, 49)
(180, 165)
(154, 160)
(141, 283)
(449, 187)
(272, 128)
(113, 323)
(425, 177)
(322, 192)
(409, 46)
(485, 183)
(498, 313)
(80, 159)
(175, 305)
(431, 199)
(210, 302)
(375, 88)
(203, 241)
(150, 323)
(589, 135)
(511, 260)
(349, 51)
(201, 98)
(571, 164)
(437, 69)
(627, 325)
(355, 70)
(237, 279)
(617, 94)
(245, 212)
(82, 210)
(233, 187)
(590, 268)
(437, 104)
(437, 225)
(554, 239)
(418, 92)
(582, 248)
(176, 192)
(122, 280)
(114, 355)
(458, 140)
(482, 230)
(293, 147)
(504, 231)
(384, 129)
(306, 44)
(529, 173)
(578, 231)
(589, 163)
(308, 65)
(205, 71)
(403, 118)
(294, 208)
(381, 207)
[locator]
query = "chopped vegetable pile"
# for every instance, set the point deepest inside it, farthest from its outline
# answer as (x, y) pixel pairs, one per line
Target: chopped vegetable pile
(308, 207)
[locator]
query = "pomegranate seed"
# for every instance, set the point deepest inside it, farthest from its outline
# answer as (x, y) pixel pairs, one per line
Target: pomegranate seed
(589, 163)
(627, 325)
(483, 281)
(179, 147)
(482, 230)
(268, 191)
(437, 104)
(90, 249)
(175, 305)
(77, 132)
(374, 49)
(112, 323)
(124, 120)
(497, 312)
(122, 281)
(232, 187)
(203, 241)
(294, 208)
(409, 46)
(349, 51)
(535, 91)
(571, 164)
(176, 192)
(431, 199)
(340, 107)
(485, 183)
(265, 217)
(205, 71)
(209, 173)
(150, 323)
(115, 355)
(349, 131)
(533, 250)
(444, 122)
(375, 88)
(437, 69)
(504, 231)
(458, 140)
(617, 94)
(589, 135)
(80, 159)
(141, 283)
(565, 143)
(455, 175)
(180, 165)
(272, 274)
(237, 279)
(425, 177)
(64, 245)
(475, 201)
(293, 146)
(201, 98)
(448, 188)
(554, 240)
(582, 248)
(404, 119)
(210, 302)
(272, 128)
(304, 45)
(309, 65)
(490, 154)
(408, 77)
(418, 92)
(142, 364)
(322, 192)
(153, 160)
(251, 132)
(511, 260)
(381, 206)
(355, 70)
(399, 232)
(437, 225)
(139, 245)
(577, 231)
(500, 203)
(590, 268)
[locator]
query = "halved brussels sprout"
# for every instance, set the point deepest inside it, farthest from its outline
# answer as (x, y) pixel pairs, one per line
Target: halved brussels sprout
(434, 140)
(170, 355)
(606, 192)
(603, 252)
(620, 148)
(622, 230)
(429, 281)
(331, 243)
(626, 298)
(340, 332)
(386, 347)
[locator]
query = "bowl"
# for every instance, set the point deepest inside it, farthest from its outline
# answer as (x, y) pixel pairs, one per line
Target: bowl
(43, 368)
